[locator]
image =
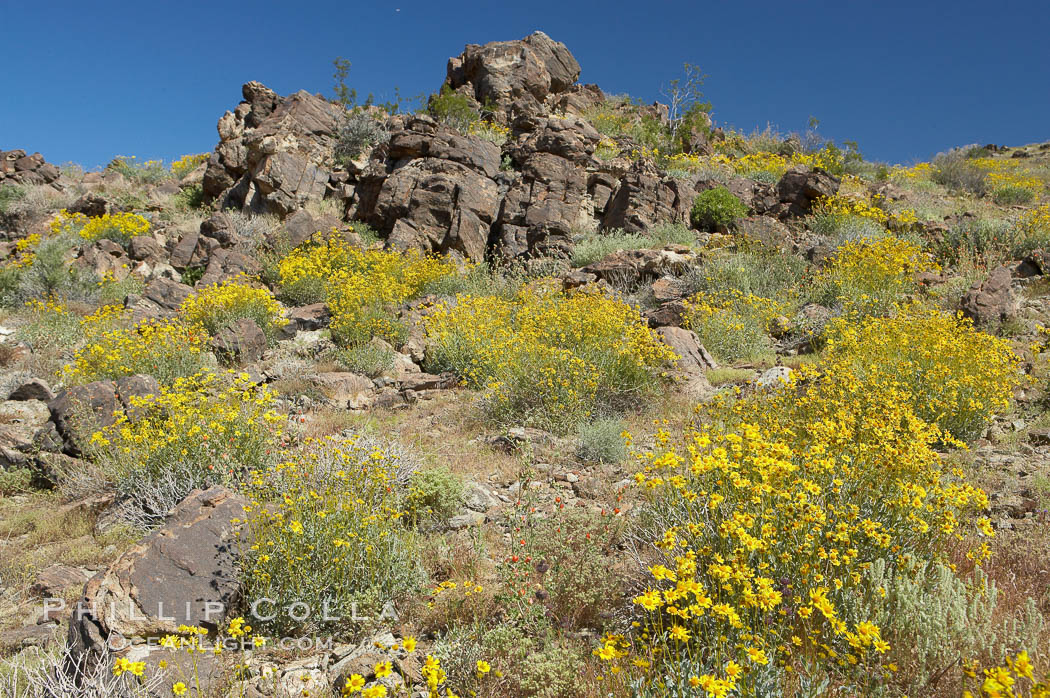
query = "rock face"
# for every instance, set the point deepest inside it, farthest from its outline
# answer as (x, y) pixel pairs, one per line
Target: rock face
(18, 168)
(523, 74)
(550, 194)
(440, 195)
(992, 300)
(183, 573)
(272, 151)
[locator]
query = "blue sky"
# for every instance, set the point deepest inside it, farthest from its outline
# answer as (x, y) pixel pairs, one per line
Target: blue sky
(84, 82)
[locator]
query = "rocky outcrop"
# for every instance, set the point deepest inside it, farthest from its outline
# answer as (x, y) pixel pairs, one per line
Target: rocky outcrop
(439, 194)
(643, 197)
(549, 196)
(273, 151)
(519, 76)
(800, 188)
(18, 168)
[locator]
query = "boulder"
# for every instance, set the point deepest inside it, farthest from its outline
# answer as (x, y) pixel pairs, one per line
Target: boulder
(347, 390)
(18, 168)
(692, 357)
(81, 410)
(241, 341)
(183, 573)
(90, 204)
(644, 198)
(633, 265)
(31, 388)
(523, 72)
(992, 300)
(799, 189)
(166, 294)
(25, 429)
(146, 248)
(440, 196)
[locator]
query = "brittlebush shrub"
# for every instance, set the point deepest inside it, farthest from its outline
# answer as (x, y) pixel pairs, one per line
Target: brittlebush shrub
(118, 227)
(870, 276)
(201, 431)
(324, 527)
(947, 372)
(164, 349)
(733, 325)
(546, 358)
(362, 287)
(769, 512)
(218, 305)
(187, 163)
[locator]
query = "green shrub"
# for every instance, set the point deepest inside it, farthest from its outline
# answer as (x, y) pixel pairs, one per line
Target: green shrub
(600, 441)
(955, 171)
(148, 172)
(50, 325)
(189, 198)
(1011, 194)
(716, 208)
(565, 558)
(982, 243)
(761, 272)
(933, 619)
(734, 326)
(453, 109)
(533, 665)
(50, 275)
(371, 359)
(435, 495)
(15, 481)
(9, 194)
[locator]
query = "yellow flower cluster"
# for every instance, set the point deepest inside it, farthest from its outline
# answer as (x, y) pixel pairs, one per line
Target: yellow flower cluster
(165, 349)
(770, 510)
(215, 306)
(948, 373)
(843, 207)
(1014, 679)
(545, 357)
(324, 527)
(868, 276)
(733, 325)
(119, 227)
(66, 222)
(181, 167)
(24, 252)
(202, 430)
(490, 131)
(922, 170)
(1034, 224)
(362, 287)
(1003, 172)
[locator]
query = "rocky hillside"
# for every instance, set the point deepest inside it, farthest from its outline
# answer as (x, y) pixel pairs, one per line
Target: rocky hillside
(536, 391)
